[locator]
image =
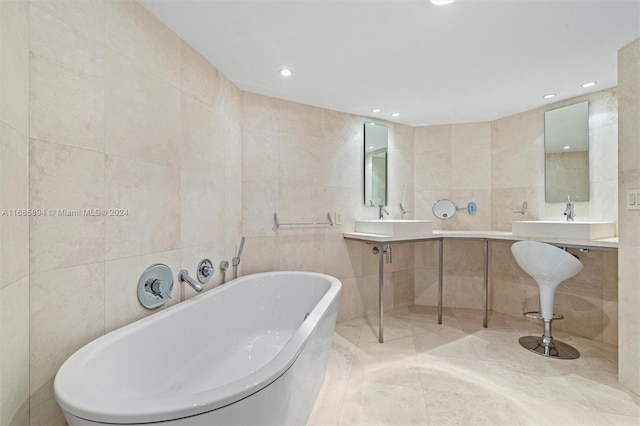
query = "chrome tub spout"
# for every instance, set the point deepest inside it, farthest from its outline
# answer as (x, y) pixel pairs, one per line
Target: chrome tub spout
(185, 278)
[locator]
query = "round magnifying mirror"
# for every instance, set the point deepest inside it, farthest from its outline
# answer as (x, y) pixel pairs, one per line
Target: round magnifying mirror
(444, 209)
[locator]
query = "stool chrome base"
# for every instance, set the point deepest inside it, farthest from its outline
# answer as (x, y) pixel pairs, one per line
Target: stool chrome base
(549, 347)
(546, 345)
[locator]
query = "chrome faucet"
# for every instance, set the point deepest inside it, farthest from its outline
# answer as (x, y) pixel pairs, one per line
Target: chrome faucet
(382, 211)
(403, 210)
(183, 276)
(570, 211)
(524, 209)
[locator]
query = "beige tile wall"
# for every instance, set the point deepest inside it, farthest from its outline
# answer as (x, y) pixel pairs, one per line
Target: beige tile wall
(499, 165)
(518, 175)
(629, 220)
(304, 162)
(481, 162)
(14, 230)
(454, 162)
(124, 115)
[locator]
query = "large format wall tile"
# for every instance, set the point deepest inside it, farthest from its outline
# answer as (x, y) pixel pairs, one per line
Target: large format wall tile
(300, 252)
(259, 112)
(198, 77)
(629, 325)
(629, 220)
(343, 137)
(14, 67)
(14, 352)
(610, 297)
(86, 17)
(14, 228)
(517, 144)
(259, 203)
(629, 98)
(471, 156)
(202, 141)
(260, 254)
(299, 120)
(14, 194)
(302, 160)
(134, 33)
(66, 84)
(433, 159)
(150, 196)
(202, 199)
(67, 311)
(260, 155)
(66, 182)
(142, 113)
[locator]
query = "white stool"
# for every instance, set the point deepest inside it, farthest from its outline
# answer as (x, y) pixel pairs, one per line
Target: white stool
(548, 265)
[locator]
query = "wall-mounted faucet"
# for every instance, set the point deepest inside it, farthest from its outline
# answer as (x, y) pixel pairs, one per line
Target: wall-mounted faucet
(403, 210)
(183, 276)
(524, 210)
(570, 211)
(382, 211)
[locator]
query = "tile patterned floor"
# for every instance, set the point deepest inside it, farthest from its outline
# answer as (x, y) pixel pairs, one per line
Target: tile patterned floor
(459, 373)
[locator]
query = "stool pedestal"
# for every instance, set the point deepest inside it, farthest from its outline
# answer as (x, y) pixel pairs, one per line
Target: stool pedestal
(548, 266)
(548, 346)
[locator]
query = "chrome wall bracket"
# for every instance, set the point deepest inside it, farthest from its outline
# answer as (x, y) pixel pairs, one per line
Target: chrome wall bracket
(155, 286)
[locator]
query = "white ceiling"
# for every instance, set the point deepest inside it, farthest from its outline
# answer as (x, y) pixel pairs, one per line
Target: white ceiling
(473, 60)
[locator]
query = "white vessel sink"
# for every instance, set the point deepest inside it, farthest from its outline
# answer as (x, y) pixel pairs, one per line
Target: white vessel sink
(563, 229)
(395, 228)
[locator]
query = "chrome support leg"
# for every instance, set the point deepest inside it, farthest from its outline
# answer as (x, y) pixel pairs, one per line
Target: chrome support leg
(485, 304)
(381, 293)
(440, 274)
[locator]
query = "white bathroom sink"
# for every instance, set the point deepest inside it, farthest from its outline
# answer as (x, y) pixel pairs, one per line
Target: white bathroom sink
(395, 228)
(563, 229)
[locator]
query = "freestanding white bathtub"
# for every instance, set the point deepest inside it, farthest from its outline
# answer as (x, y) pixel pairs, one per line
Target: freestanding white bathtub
(253, 351)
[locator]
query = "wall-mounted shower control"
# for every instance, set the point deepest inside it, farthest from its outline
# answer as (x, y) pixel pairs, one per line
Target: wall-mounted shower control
(155, 286)
(205, 271)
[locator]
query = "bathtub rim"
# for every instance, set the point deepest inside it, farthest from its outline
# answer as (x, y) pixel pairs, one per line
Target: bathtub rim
(77, 397)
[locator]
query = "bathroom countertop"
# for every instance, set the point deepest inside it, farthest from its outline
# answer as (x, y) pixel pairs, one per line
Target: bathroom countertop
(605, 243)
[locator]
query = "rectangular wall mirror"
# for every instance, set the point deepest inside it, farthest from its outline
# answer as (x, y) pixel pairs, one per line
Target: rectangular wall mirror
(566, 153)
(376, 140)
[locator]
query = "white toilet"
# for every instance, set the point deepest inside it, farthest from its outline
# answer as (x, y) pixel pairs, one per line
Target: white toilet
(548, 265)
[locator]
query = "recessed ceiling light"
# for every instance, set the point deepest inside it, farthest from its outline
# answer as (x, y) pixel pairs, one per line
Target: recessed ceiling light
(376, 110)
(549, 95)
(371, 147)
(441, 2)
(285, 72)
(566, 147)
(589, 84)
(395, 114)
